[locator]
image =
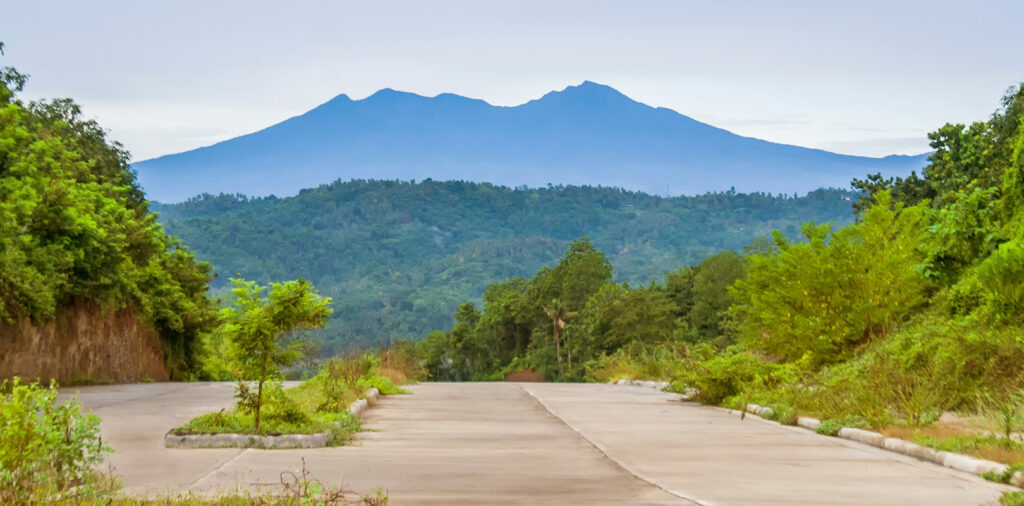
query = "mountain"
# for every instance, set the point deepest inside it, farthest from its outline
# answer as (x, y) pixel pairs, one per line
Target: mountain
(398, 257)
(588, 134)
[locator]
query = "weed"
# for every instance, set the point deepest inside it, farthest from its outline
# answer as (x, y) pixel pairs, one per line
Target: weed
(1006, 411)
(783, 414)
(831, 427)
(1006, 475)
(47, 450)
(318, 405)
(307, 490)
(1014, 498)
(88, 379)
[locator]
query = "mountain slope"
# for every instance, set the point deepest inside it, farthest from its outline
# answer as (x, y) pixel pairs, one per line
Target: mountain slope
(588, 134)
(398, 258)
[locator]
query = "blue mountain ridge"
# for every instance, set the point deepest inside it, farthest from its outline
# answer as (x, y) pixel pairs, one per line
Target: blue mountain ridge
(589, 134)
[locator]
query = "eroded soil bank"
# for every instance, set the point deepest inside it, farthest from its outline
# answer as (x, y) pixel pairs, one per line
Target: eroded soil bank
(83, 344)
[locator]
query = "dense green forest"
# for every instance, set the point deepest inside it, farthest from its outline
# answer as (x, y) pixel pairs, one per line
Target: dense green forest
(74, 226)
(914, 309)
(398, 257)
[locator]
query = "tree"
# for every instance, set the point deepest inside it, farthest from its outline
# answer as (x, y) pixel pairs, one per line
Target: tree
(74, 226)
(464, 339)
(557, 295)
(711, 297)
(616, 316)
(559, 314)
(257, 329)
(581, 273)
(504, 326)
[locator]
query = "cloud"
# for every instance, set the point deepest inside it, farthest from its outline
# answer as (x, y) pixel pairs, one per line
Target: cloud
(881, 146)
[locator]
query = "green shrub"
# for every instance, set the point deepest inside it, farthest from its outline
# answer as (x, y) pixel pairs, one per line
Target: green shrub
(783, 413)
(282, 407)
(1002, 278)
(238, 422)
(969, 443)
(835, 291)
(319, 404)
(831, 427)
(638, 360)
(1014, 498)
(338, 381)
(49, 450)
(383, 385)
(1005, 476)
(728, 374)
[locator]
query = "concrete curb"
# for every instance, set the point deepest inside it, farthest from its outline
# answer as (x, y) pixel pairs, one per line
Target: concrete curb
(320, 440)
(951, 460)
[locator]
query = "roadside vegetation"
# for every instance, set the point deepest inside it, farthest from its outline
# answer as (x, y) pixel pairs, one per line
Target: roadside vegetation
(50, 453)
(260, 335)
(317, 405)
(47, 450)
(76, 227)
(913, 311)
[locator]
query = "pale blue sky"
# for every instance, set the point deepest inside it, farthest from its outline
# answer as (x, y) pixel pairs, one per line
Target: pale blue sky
(860, 77)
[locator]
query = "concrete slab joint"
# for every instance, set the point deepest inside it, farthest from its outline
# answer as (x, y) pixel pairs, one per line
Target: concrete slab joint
(320, 440)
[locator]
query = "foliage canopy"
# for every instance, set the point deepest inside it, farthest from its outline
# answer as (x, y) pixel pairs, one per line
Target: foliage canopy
(74, 226)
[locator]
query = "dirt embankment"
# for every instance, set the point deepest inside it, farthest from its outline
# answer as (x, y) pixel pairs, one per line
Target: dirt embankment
(525, 376)
(83, 343)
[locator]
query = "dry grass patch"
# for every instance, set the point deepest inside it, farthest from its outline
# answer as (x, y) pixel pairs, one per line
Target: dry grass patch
(961, 438)
(937, 431)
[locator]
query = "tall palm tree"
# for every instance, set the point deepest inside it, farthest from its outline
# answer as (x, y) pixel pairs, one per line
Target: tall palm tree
(559, 314)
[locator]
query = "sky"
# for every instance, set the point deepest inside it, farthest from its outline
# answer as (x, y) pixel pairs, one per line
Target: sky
(861, 77)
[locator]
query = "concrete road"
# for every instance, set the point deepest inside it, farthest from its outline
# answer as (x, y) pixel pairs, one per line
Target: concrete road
(505, 443)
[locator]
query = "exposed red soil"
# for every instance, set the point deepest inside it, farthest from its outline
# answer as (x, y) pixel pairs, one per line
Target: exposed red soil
(525, 376)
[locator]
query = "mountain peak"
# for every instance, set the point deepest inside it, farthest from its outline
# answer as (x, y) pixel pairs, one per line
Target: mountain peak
(584, 134)
(587, 93)
(391, 94)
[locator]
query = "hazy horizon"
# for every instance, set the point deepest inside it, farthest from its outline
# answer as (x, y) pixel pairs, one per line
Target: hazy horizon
(865, 78)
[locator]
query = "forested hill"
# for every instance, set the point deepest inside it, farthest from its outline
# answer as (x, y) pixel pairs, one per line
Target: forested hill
(398, 257)
(588, 134)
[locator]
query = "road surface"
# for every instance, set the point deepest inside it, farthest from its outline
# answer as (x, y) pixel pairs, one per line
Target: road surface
(531, 443)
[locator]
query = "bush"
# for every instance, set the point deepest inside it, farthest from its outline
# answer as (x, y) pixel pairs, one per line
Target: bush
(49, 450)
(401, 365)
(836, 291)
(728, 374)
(638, 360)
(383, 385)
(319, 404)
(1015, 498)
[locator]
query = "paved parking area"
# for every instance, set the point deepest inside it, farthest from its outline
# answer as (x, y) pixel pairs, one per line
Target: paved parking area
(531, 443)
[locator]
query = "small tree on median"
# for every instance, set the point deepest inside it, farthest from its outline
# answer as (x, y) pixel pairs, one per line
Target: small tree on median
(258, 327)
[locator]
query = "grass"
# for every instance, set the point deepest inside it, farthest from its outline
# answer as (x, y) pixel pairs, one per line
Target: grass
(962, 438)
(297, 489)
(82, 379)
(340, 424)
(1015, 498)
(637, 360)
(319, 404)
(986, 447)
(935, 431)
